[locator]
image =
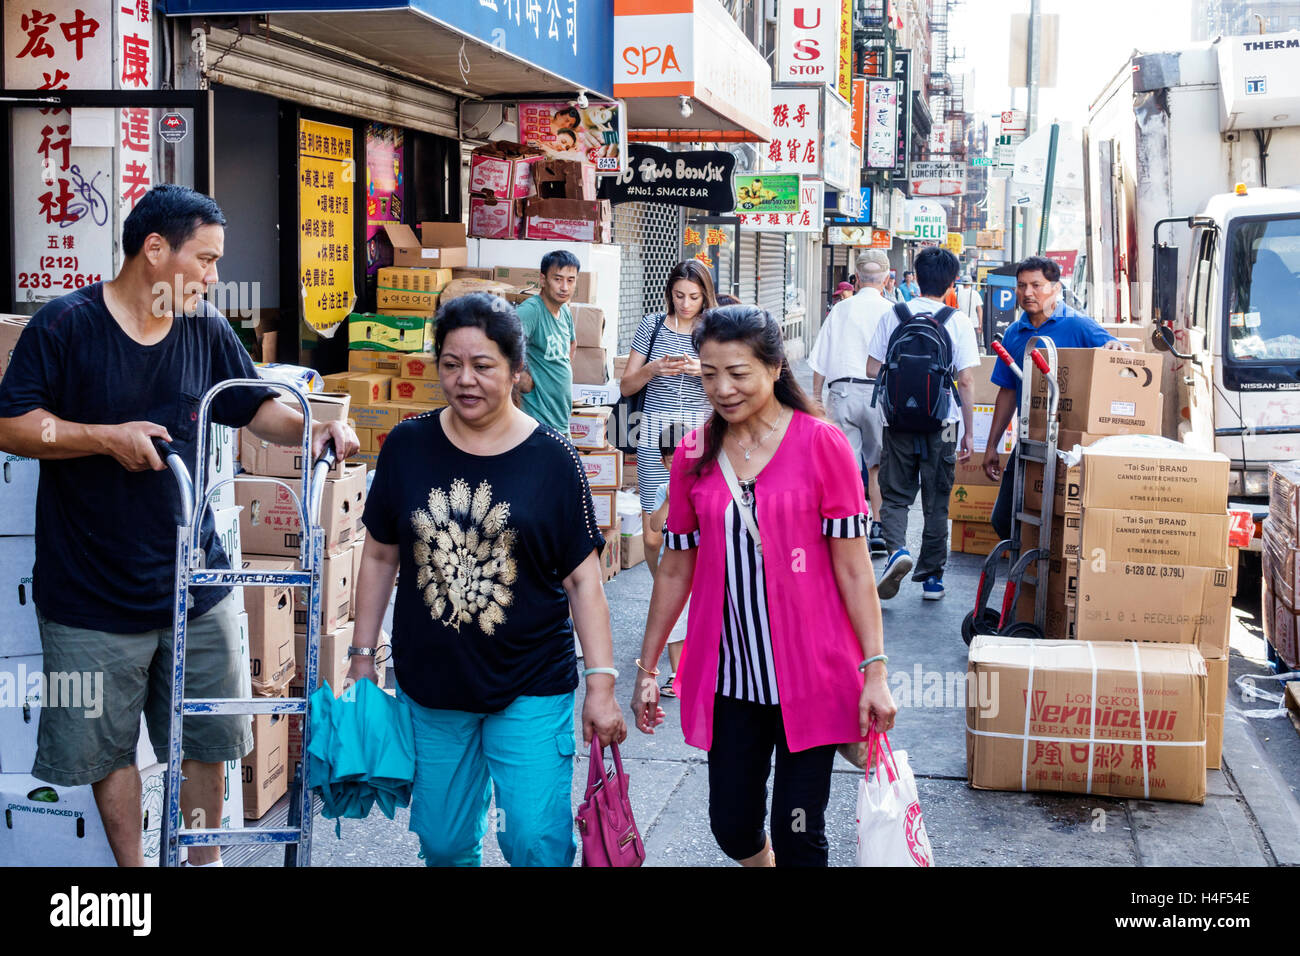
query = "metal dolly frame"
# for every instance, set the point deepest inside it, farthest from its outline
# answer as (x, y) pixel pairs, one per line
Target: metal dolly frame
(196, 499)
(1028, 451)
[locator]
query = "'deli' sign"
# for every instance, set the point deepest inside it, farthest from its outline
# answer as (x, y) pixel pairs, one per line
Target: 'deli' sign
(700, 179)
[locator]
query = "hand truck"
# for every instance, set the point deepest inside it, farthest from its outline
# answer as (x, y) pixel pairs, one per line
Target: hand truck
(984, 619)
(196, 498)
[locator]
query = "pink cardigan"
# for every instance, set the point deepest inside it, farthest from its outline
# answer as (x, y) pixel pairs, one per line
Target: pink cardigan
(812, 476)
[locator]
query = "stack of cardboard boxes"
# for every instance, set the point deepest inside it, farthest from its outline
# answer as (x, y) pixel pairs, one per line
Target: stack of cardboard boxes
(589, 431)
(386, 388)
(518, 193)
(1154, 562)
(1280, 598)
(276, 617)
(1102, 392)
(970, 504)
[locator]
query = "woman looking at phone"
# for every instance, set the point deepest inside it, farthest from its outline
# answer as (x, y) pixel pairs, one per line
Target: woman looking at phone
(664, 362)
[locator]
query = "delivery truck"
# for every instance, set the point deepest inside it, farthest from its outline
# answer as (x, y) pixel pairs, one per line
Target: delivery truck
(1193, 233)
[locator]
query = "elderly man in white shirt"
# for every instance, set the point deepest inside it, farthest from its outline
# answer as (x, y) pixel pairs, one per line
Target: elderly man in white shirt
(839, 363)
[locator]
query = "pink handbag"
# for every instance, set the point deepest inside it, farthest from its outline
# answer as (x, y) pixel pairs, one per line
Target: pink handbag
(609, 834)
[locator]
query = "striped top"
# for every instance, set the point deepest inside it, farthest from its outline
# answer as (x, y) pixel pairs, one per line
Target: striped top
(668, 399)
(746, 668)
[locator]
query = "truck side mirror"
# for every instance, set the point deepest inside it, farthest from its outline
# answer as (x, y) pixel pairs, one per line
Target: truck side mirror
(1164, 284)
(1162, 338)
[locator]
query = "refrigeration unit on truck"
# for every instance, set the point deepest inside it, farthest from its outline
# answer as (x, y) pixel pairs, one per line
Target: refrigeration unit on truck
(1193, 162)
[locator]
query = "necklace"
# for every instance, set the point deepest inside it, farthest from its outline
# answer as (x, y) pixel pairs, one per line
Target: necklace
(749, 451)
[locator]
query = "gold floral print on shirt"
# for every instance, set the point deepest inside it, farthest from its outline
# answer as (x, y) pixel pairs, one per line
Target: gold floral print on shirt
(464, 551)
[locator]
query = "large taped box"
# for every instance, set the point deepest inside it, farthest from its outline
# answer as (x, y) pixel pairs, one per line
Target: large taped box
(363, 360)
(1156, 537)
(260, 457)
(441, 245)
(389, 333)
(1064, 536)
(335, 594)
(973, 537)
(270, 522)
(1150, 473)
(972, 502)
(1103, 391)
(1122, 601)
(266, 767)
(270, 628)
(332, 665)
(1113, 720)
(1284, 499)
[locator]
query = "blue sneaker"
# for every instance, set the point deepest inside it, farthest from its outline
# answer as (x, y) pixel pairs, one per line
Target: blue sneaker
(896, 568)
(932, 588)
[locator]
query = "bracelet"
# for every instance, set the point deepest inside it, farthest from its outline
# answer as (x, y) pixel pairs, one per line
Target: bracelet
(884, 658)
(612, 672)
(354, 651)
(652, 673)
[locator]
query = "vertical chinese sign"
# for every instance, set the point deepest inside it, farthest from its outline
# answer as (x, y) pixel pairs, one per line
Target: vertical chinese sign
(796, 141)
(846, 50)
(383, 187)
(62, 174)
(882, 120)
(326, 176)
(134, 71)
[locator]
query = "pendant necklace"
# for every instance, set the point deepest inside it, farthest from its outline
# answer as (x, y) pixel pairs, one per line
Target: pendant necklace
(749, 451)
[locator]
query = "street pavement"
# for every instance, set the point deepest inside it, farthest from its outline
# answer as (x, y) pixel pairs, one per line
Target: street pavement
(1251, 816)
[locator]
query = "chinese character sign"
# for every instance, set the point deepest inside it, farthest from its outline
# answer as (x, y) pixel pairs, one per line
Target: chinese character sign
(595, 134)
(846, 50)
(383, 186)
(796, 144)
(59, 44)
(134, 70)
(882, 120)
(326, 178)
(808, 218)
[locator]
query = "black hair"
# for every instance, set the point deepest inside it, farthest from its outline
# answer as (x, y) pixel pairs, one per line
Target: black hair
(936, 270)
(559, 259)
(493, 314)
(756, 328)
(671, 436)
(567, 132)
(1050, 270)
(694, 271)
(174, 212)
(907, 273)
(570, 111)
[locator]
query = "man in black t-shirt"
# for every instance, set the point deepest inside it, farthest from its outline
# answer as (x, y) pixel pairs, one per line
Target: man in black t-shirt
(95, 377)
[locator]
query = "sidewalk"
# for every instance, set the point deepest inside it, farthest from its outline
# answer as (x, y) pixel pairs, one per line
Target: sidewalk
(1251, 816)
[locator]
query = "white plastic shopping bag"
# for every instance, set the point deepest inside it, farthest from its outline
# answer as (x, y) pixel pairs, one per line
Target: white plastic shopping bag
(890, 829)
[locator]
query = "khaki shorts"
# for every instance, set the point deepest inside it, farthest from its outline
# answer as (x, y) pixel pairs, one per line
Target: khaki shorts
(98, 684)
(849, 405)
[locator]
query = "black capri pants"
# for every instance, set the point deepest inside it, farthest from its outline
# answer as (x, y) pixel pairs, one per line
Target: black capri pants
(744, 736)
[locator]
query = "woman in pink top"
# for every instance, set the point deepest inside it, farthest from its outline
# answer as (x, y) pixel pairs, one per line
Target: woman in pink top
(782, 629)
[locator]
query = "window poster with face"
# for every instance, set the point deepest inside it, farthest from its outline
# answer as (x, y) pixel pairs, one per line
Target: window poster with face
(595, 134)
(383, 186)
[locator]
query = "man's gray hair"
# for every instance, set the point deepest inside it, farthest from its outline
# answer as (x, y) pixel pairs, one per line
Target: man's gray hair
(872, 266)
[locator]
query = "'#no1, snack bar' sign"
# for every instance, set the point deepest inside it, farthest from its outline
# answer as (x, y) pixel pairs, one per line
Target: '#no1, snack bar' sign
(700, 179)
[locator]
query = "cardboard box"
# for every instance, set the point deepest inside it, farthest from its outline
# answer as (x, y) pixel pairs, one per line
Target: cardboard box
(358, 548)
(1048, 749)
(589, 393)
(973, 537)
(588, 325)
(270, 628)
(1284, 498)
(260, 457)
(420, 366)
(523, 279)
(564, 179)
(22, 694)
(222, 451)
(269, 523)
(336, 382)
(1065, 536)
(588, 427)
(368, 388)
(332, 665)
(1102, 391)
(1213, 741)
(19, 635)
(18, 480)
(982, 424)
(422, 391)
(335, 597)
(971, 472)
(603, 505)
(972, 502)
(1156, 537)
(46, 825)
(266, 768)
(369, 459)
(1217, 670)
(604, 469)
(11, 327)
(362, 360)
(389, 333)
(633, 550)
(226, 526)
(492, 218)
(576, 220)
(503, 177)
(1149, 473)
(392, 301)
(1281, 562)
(1067, 498)
(1155, 602)
(620, 365)
(383, 416)
(441, 245)
(590, 366)
(610, 559)
(1286, 633)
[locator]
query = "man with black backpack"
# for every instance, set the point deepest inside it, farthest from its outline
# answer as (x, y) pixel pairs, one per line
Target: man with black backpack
(917, 352)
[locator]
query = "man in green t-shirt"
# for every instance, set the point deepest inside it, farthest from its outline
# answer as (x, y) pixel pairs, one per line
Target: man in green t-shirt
(547, 382)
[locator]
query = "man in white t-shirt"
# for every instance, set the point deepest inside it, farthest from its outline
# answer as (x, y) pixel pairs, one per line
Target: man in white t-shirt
(839, 362)
(970, 302)
(924, 461)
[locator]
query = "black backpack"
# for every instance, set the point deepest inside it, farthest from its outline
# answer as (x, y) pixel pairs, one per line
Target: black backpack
(916, 378)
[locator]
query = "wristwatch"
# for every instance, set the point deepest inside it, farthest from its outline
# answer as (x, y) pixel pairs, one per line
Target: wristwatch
(354, 651)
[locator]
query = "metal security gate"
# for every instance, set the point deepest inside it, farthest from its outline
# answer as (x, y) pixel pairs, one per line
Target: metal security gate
(747, 277)
(650, 235)
(770, 294)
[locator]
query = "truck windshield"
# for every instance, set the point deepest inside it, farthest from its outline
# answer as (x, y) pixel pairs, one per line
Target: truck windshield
(1263, 277)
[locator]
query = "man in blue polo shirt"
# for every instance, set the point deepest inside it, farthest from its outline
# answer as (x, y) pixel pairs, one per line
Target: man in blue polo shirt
(1038, 293)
